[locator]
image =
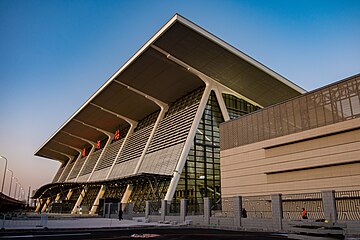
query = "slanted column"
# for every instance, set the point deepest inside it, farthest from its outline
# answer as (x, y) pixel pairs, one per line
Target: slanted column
(277, 212)
(237, 206)
(96, 202)
(183, 210)
(68, 196)
(147, 209)
(329, 203)
(163, 209)
(38, 205)
(207, 211)
(79, 201)
(46, 204)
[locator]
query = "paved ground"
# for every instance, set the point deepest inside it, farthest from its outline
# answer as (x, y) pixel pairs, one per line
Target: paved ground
(104, 228)
(163, 233)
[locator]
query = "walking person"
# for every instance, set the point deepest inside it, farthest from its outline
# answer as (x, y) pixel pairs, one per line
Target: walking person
(120, 212)
(243, 213)
(304, 214)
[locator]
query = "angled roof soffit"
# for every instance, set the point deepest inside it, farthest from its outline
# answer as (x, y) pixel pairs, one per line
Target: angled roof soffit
(148, 81)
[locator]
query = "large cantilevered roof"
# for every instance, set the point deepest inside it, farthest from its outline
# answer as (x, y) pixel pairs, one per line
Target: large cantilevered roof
(152, 78)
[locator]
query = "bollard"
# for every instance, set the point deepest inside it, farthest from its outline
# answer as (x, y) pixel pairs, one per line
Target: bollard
(44, 220)
(3, 223)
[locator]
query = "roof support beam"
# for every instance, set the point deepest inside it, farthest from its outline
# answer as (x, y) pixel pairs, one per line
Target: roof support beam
(109, 134)
(158, 102)
(69, 146)
(205, 78)
(81, 138)
(61, 153)
(130, 121)
(67, 164)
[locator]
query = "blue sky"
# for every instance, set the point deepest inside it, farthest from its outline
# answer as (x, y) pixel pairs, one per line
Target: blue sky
(55, 54)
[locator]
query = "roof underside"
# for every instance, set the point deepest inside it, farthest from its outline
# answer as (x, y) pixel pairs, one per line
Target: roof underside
(157, 77)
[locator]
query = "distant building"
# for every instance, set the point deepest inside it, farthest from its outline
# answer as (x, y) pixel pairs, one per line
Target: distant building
(151, 131)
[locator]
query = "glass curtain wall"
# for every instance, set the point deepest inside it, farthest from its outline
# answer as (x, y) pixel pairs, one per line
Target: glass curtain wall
(201, 175)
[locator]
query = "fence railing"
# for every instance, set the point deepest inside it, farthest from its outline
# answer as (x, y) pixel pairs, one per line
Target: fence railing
(8, 221)
(258, 206)
(348, 205)
(292, 205)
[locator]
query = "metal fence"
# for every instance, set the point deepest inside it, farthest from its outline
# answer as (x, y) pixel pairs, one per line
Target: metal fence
(348, 205)
(331, 104)
(155, 208)
(174, 208)
(22, 221)
(257, 206)
(292, 205)
(195, 207)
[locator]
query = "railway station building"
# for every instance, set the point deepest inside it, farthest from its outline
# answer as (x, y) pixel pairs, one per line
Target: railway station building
(152, 130)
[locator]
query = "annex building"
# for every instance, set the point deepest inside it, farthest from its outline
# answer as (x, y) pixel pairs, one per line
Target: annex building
(151, 132)
(305, 145)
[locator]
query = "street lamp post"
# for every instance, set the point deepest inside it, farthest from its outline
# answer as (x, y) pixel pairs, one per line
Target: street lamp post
(12, 174)
(16, 184)
(2, 187)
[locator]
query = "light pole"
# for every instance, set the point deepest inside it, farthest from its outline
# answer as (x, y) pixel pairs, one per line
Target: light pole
(2, 187)
(12, 174)
(16, 186)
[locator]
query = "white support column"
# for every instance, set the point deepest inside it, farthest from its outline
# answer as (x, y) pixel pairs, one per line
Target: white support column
(68, 196)
(163, 109)
(189, 140)
(38, 205)
(101, 155)
(95, 205)
(222, 104)
(74, 148)
(68, 162)
(93, 144)
(57, 197)
(79, 201)
(46, 205)
(129, 188)
(86, 160)
(108, 134)
(72, 168)
(131, 130)
(133, 125)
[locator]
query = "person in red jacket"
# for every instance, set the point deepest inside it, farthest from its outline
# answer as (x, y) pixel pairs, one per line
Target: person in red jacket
(304, 214)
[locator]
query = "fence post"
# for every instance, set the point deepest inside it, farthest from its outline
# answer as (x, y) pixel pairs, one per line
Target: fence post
(182, 210)
(130, 211)
(329, 203)
(43, 220)
(163, 209)
(3, 223)
(207, 211)
(237, 202)
(277, 211)
(147, 209)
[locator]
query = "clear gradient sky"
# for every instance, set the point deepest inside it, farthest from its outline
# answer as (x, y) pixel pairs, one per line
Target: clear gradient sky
(55, 54)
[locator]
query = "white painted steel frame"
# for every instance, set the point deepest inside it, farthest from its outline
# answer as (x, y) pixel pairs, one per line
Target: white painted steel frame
(191, 25)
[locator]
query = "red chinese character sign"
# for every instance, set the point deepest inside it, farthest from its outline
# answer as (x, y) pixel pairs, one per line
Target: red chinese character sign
(117, 135)
(98, 144)
(83, 152)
